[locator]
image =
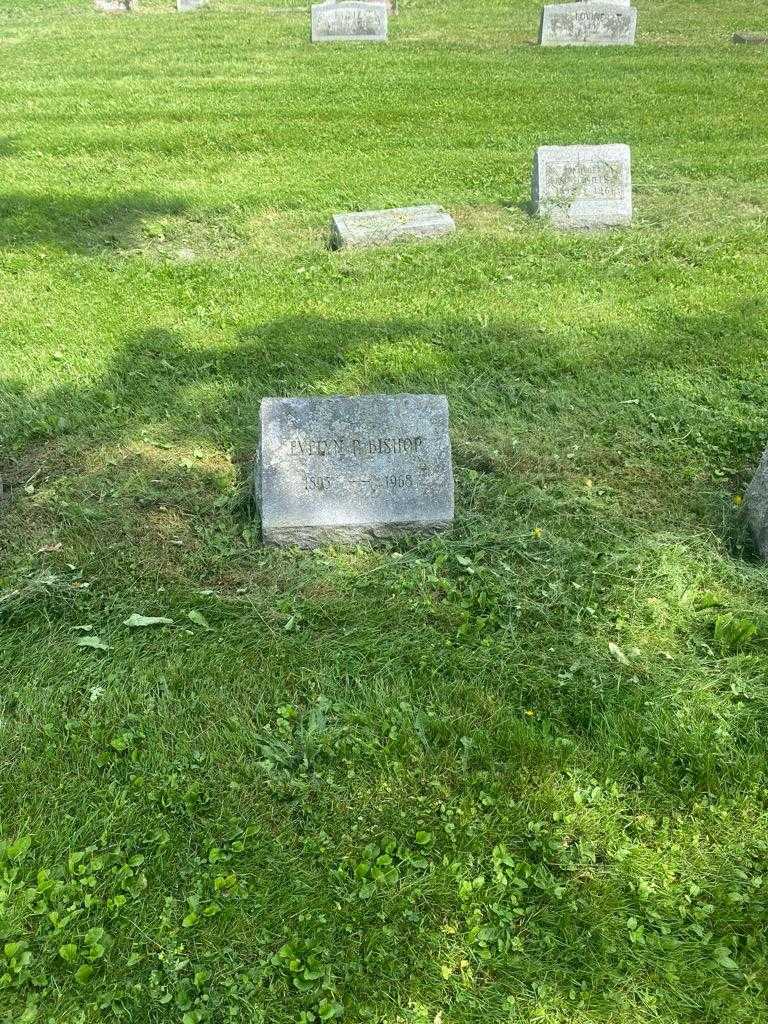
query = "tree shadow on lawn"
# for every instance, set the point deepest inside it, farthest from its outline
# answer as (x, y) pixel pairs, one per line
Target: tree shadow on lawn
(78, 224)
(649, 389)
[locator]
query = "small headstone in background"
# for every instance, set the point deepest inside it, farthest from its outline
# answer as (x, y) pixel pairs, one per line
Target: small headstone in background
(583, 186)
(349, 21)
(615, 3)
(186, 6)
(114, 6)
(588, 23)
(750, 39)
(381, 227)
(343, 470)
(756, 506)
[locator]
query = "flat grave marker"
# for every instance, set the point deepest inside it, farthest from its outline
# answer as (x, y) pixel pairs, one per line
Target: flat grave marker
(343, 470)
(349, 21)
(583, 186)
(750, 39)
(382, 227)
(187, 6)
(588, 23)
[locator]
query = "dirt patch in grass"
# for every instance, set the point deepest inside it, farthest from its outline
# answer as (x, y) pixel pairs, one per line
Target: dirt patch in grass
(26, 473)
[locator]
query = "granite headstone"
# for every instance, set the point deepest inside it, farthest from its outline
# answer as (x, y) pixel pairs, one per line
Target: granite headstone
(349, 21)
(381, 227)
(342, 470)
(588, 23)
(187, 6)
(583, 186)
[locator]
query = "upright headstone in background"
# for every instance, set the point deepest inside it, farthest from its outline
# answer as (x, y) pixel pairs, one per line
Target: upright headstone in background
(583, 186)
(349, 21)
(380, 227)
(756, 507)
(342, 470)
(114, 6)
(588, 23)
(186, 6)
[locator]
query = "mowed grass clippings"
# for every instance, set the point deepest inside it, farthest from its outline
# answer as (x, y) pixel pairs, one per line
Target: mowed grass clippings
(516, 774)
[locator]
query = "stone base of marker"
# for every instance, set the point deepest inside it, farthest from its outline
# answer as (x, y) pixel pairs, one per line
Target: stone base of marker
(349, 21)
(588, 23)
(115, 6)
(187, 6)
(583, 187)
(347, 470)
(383, 227)
(756, 507)
(750, 39)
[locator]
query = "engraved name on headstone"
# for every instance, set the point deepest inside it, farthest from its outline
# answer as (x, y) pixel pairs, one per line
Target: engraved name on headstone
(588, 24)
(349, 21)
(583, 186)
(340, 470)
(380, 227)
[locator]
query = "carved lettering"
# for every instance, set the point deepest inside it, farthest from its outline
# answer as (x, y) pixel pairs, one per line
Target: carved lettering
(330, 447)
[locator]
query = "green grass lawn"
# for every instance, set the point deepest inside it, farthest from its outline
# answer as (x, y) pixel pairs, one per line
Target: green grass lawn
(516, 774)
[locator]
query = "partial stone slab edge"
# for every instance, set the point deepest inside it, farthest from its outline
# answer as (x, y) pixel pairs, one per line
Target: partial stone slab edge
(750, 39)
(321, 536)
(756, 506)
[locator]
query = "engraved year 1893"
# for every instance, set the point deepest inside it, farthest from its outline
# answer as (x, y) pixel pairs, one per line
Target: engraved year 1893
(316, 483)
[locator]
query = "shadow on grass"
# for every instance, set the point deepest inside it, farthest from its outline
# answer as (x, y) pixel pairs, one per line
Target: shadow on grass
(78, 224)
(674, 376)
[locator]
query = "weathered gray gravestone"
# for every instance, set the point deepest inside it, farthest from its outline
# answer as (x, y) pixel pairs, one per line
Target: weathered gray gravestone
(750, 39)
(381, 227)
(583, 186)
(588, 23)
(756, 506)
(186, 6)
(342, 470)
(115, 6)
(349, 21)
